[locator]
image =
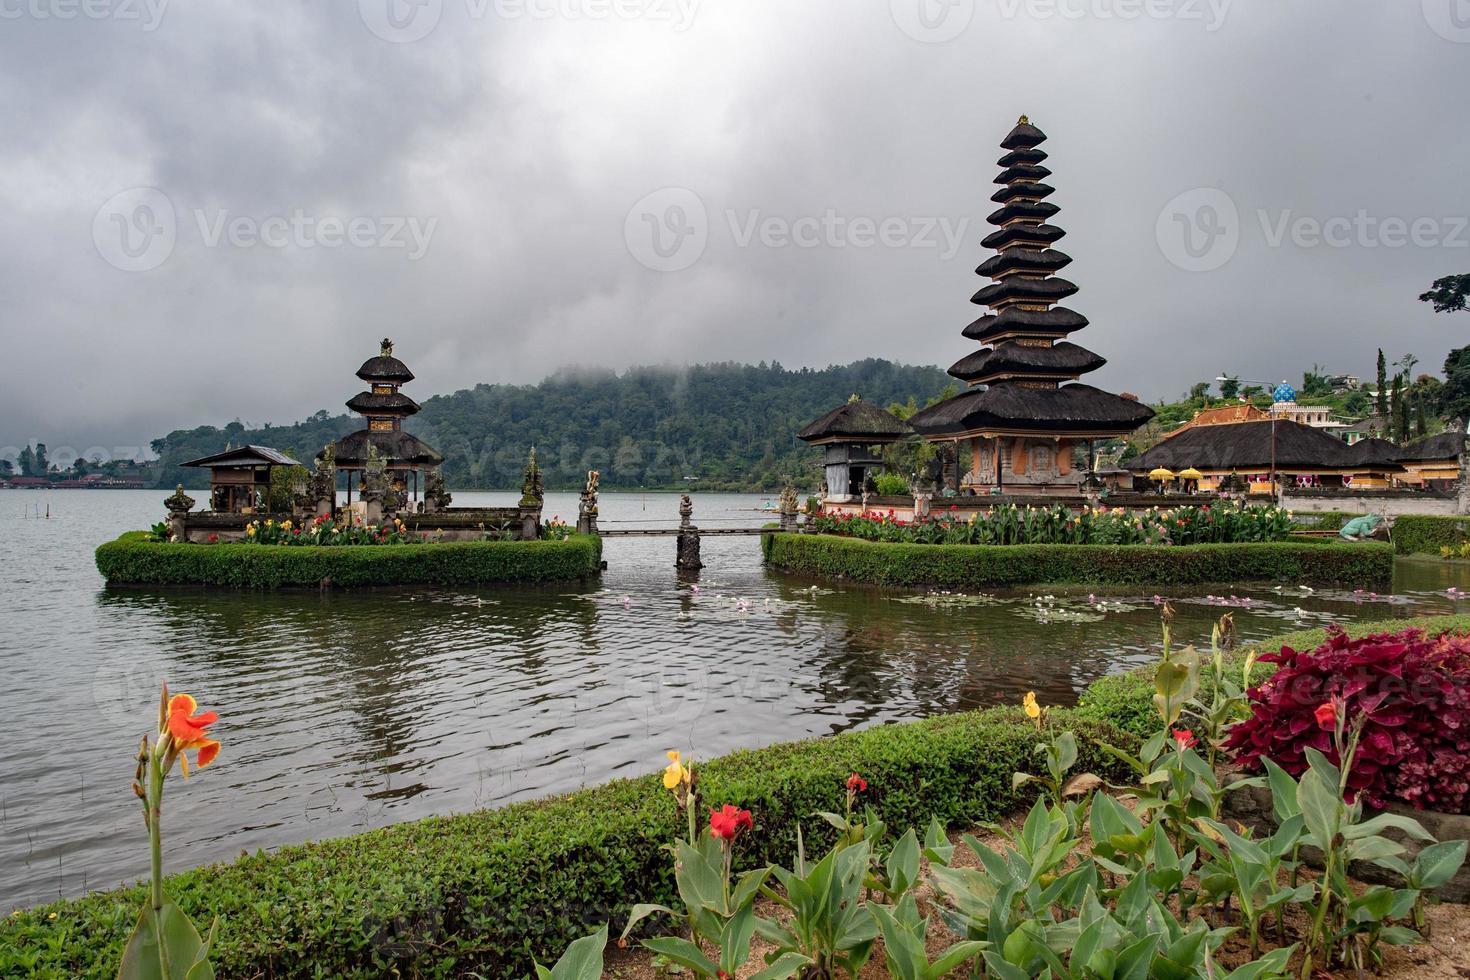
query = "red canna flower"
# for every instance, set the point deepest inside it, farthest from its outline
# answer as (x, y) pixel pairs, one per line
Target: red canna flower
(856, 784)
(1184, 738)
(1326, 715)
(191, 731)
(727, 822)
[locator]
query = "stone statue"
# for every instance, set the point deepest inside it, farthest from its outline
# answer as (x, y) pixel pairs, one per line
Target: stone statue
(686, 546)
(533, 492)
(686, 510)
(587, 505)
(322, 485)
(178, 504)
(1360, 528)
(436, 497)
(788, 508)
(375, 485)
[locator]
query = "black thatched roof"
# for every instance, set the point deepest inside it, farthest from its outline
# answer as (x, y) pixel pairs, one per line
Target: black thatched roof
(1023, 136)
(369, 403)
(1246, 445)
(1017, 288)
(1027, 156)
(1025, 171)
(1074, 409)
(385, 370)
(1025, 259)
(1063, 360)
(1022, 190)
(1055, 322)
(1375, 452)
(243, 456)
(856, 421)
(1038, 212)
(394, 447)
(1024, 233)
(1446, 445)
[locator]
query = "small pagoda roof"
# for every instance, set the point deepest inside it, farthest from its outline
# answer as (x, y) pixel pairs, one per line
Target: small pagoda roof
(1446, 445)
(1021, 288)
(1073, 409)
(1247, 445)
(1025, 260)
(395, 447)
(1023, 137)
(1063, 360)
(1022, 171)
(242, 457)
(1026, 156)
(1375, 452)
(369, 403)
(385, 368)
(1055, 322)
(1022, 190)
(1022, 232)
(856, 421)
(1024, 211)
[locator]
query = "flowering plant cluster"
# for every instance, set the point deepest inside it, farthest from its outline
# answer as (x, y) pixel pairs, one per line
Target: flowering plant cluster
(1059, 524)
(556, 529)
(1409, 689)
(323, 530)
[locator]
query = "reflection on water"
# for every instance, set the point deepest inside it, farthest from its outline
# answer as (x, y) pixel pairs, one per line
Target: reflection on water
(342, 712)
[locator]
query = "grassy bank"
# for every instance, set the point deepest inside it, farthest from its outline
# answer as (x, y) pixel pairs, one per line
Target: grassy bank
(1314, 561)
(135, 559)
(481, 892)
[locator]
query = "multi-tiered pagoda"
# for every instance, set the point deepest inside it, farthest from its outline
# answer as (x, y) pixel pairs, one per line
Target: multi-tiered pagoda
(385, 407)
(1025, 412)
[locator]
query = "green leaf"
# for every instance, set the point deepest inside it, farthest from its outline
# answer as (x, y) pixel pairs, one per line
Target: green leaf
(1320, 805)
(950, 959)
(1271, 965)
(1437, 863)
(903, 863)
(1378, 824)
(784, 966)
(140, 960)
(641, 912)
(1175, 682)
(683, 952)
(1283, 791)
(1400, 936)
(581, 961)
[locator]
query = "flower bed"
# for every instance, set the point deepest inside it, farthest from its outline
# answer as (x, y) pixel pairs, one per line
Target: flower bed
(1366, 565)
(135, 559)
(482, 892)
(1007, 524)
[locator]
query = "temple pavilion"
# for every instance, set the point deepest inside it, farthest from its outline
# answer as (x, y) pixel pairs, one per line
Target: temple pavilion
(850, 436)
(384, 407)
(1025, 412)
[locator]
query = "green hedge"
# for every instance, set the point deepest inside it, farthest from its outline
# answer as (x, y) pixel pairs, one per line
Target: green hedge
(1126, 700)
(135, 559)
(1421, 534)
(481, 892)
(1322, 520)
(1329, 562)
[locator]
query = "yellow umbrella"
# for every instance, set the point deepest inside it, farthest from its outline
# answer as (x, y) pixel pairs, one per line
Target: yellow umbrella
(1161, 474)
(1191, 474)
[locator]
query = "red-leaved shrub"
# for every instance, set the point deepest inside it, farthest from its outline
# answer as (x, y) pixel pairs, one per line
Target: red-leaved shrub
(1412, 688)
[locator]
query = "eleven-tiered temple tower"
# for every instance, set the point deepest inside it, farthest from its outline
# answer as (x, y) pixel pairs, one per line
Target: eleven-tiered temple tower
(1025, 412)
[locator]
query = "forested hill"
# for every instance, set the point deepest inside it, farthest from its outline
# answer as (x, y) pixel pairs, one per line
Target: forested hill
(731, 425)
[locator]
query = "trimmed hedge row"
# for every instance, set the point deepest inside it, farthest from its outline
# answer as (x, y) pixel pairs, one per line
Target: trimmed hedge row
(484, 891)
(1323, 520)
(1422, 534)
(135, 559)
(1126, 700)
(1352, 564)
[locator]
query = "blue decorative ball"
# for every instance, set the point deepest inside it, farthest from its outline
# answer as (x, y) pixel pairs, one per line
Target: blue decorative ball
(1284, 393)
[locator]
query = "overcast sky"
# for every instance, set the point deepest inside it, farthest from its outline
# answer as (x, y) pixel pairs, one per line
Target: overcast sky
(217, 210)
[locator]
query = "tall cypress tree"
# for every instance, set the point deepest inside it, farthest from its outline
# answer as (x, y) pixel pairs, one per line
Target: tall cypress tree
(1421, 419)
(1399, 410)
(1382, 383)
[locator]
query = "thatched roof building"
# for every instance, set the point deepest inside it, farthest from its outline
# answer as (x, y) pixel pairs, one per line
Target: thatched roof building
(848, 434)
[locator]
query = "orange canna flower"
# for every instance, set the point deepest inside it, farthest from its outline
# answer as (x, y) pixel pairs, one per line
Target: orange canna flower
(190, 731)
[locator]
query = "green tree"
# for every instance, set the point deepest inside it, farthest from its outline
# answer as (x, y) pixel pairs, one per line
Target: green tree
(1421, 416)
(1199, 390)
(1399, 409)
(1382, 405)
(1454, 395)
(1229, 385)
(1315, 383)
(1448, 294)
(27, 461)
(42, 465)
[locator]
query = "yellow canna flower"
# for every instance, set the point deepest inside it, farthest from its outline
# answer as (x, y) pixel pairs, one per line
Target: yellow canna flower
(675, 773)
(1033, 710)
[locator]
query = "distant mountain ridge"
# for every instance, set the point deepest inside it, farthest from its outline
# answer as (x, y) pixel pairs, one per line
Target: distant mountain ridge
(731, 425)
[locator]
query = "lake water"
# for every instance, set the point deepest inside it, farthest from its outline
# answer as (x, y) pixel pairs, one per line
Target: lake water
(342, 712)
